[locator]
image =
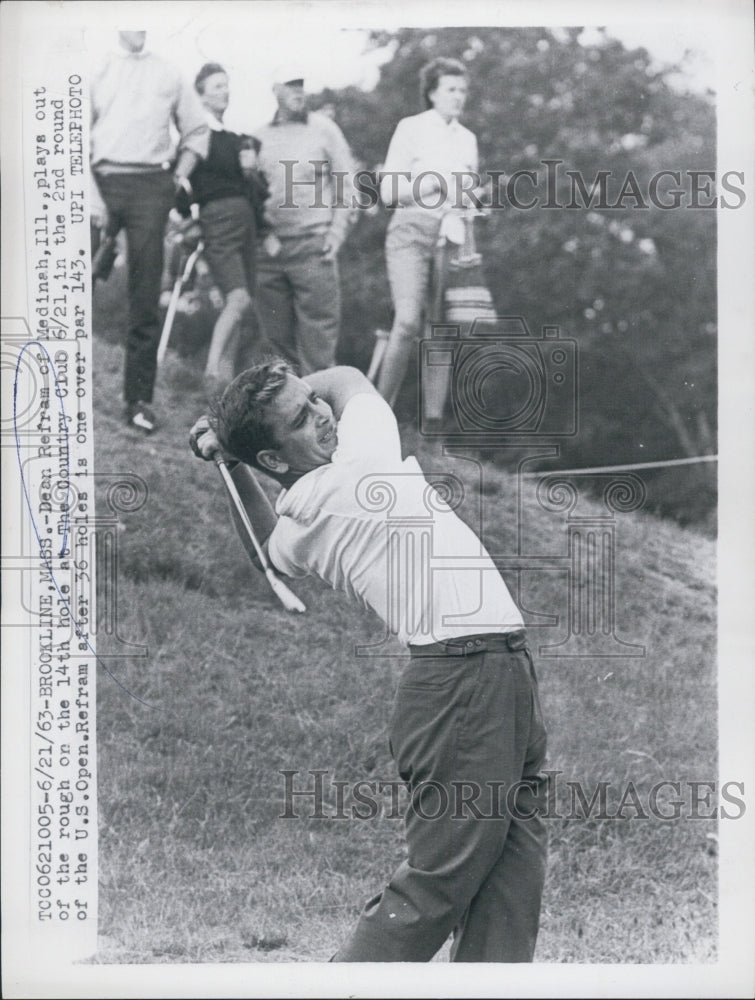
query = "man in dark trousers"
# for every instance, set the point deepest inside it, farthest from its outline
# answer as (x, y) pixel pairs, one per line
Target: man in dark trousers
(136, 98)
(466, 729)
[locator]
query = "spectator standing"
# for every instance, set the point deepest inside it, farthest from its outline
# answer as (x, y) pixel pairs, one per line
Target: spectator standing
(426, 155)
(308, 164)
(136, 97)
(231, 193)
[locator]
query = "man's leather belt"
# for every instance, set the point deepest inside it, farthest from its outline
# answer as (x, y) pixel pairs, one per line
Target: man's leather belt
(468, 645)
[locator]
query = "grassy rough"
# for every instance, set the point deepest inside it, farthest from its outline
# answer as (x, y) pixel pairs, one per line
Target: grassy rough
(196, 866)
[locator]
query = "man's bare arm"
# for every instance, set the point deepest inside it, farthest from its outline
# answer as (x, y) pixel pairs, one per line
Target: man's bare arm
(337, 386)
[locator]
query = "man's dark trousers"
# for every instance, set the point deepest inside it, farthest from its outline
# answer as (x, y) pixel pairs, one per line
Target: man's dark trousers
(299, 302)
(464, 720)
(140, 203)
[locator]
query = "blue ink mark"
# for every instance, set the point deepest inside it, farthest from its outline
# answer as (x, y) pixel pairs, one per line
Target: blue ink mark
(77, 628)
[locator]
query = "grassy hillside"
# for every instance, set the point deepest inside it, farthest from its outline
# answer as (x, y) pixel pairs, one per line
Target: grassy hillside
(197, 866)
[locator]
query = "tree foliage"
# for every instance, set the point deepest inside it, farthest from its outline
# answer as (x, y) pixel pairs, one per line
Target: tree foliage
(634, 284)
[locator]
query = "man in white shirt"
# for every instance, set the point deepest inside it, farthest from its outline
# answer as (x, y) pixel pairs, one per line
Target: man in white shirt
(138, 102)
(466, 730)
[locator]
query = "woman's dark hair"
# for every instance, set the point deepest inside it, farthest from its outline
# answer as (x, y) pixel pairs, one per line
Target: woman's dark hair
(430, 74)
(209, 69)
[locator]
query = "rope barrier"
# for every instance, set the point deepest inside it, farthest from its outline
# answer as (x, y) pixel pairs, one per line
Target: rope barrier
(623, 468)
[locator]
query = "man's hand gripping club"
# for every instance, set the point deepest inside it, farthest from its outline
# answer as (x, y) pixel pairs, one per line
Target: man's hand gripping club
(205, 444)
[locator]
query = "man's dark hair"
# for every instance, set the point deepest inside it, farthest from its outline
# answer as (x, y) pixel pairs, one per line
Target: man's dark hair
(209, 69)
(430, 74)
(241, 415)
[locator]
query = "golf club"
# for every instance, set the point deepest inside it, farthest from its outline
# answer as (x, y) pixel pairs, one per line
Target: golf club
(288, 599)
(176, 295)
(381, 342)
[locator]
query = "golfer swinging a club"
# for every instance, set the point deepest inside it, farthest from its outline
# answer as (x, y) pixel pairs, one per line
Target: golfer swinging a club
(466, 714)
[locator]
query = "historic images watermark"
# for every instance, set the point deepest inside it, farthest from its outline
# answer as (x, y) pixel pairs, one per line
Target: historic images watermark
(316, 795)
(550, 186)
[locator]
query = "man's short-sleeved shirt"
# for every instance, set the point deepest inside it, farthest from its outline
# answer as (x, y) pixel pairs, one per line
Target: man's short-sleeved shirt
(369, 524)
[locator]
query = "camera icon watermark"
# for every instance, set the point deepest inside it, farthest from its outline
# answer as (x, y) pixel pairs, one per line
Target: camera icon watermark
(502, 380)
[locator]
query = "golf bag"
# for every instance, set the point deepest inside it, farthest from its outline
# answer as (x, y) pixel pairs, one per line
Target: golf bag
(466, 297)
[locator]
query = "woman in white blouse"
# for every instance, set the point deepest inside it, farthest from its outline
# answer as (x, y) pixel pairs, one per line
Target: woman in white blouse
(430, 165)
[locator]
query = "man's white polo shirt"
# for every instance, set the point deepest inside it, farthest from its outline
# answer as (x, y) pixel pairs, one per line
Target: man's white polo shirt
(369, 524)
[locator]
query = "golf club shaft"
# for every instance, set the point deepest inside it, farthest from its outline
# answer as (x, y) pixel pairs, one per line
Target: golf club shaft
(288, 599)
(169, 317)
(381, 342)
(173, 305)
